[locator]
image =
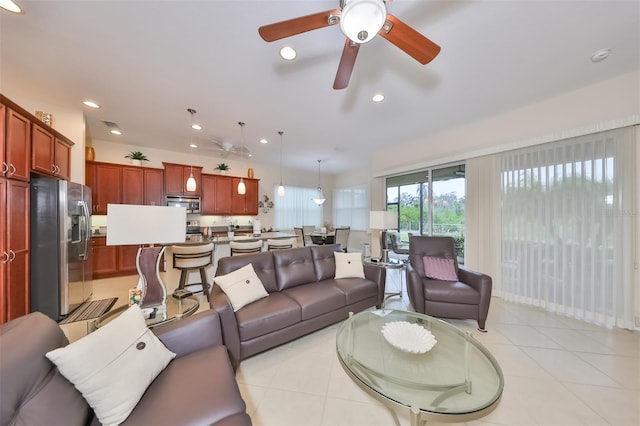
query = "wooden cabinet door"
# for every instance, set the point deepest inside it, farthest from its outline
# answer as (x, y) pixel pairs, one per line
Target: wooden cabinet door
(4, 250)
(224, 194)
(208, 200)
(3, 164)
(132, 185)
(173, 183)
(127, 259)
(247, 203)
(42, 142)
(62, 159)
(17, 268)
(153, 187)
(106, 189)
(18, 145)
(104, 258)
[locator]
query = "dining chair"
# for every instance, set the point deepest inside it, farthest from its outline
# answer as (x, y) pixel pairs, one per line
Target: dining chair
(279, 244)
(300, 241)
(244, 247)
(341, 236)
(308, 230)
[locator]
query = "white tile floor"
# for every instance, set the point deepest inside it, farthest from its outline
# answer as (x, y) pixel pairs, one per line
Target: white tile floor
(558, 371)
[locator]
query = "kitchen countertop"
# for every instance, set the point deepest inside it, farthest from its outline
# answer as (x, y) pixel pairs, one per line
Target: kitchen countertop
(223, 239)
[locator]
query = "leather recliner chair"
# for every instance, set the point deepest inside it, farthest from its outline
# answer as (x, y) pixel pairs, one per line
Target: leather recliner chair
(467, 298)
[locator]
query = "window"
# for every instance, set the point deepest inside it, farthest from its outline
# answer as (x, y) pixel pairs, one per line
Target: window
(296, 208)
(351, 207)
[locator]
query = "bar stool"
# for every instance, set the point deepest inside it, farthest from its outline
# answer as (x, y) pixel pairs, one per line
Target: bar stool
(244, 247)
(190, 257)
(280, 244)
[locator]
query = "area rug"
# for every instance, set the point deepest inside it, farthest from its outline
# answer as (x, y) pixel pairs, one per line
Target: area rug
(89, 310)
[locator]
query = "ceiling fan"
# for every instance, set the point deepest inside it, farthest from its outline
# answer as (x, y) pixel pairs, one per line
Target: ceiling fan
(226, 148)
(360, 21)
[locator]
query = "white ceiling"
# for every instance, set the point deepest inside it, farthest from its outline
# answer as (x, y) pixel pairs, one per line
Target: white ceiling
(146, 62)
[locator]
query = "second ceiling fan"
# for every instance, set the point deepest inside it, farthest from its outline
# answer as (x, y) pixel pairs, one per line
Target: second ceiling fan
(360, 21)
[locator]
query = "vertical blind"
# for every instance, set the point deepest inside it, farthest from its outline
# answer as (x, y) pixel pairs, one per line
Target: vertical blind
(296, 208)
(567, 226)
(351, 207)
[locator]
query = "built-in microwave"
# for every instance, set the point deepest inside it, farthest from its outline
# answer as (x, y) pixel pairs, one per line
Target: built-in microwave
(192, 204)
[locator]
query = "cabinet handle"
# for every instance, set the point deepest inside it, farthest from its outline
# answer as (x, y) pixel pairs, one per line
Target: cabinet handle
(12, 255)
(6, 257)
(57, 169)
(11, 166)
(5, 168)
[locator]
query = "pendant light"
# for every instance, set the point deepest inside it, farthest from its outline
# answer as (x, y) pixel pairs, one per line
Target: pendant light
(242, 188)
(191, 181)
(280, 187)
(319, 200)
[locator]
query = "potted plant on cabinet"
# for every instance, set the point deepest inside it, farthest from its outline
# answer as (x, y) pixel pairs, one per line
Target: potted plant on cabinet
(222, 168)
(136, 157)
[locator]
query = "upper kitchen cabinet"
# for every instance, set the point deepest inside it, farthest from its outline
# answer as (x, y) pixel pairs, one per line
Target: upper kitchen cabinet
(50, 155)
(105, 182)
(175, 179)
(216, 195)
(132, 185)
(17, 146)
(3, 164)
(245, 204)
(153, 187)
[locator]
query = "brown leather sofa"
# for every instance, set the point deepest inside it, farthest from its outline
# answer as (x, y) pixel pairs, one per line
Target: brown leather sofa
(467, 298)
(303, 297)
(197, 387)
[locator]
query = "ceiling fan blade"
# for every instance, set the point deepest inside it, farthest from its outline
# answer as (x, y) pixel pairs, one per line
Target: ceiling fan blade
(299, 25)
(409, 40)
(347, 61)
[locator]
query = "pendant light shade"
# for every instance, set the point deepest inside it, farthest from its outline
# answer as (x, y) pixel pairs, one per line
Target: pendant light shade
(242, 188)
(280, 187)
(191, 181)
(319, 199)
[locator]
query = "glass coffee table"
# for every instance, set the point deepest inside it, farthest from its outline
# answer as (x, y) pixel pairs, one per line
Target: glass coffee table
(176, 309)
(457, 380)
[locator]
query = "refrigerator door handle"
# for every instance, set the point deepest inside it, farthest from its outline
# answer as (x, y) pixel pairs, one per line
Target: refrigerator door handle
(87, 228)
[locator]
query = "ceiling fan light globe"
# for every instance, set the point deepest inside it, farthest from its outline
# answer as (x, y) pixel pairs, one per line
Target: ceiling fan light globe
(361, 20)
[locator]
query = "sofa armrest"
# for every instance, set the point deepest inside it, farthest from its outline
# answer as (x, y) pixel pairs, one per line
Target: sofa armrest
(378, 275)
(482, 283)
(229, 324)
(415, 289)
(191, 334)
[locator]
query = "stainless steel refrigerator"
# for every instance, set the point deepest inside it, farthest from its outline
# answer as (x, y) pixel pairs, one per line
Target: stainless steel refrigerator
(61, 273)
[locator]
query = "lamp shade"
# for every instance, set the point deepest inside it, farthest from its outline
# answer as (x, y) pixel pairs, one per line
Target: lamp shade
(242, 188)
(191, 183)
(133, 224)
(361, 20)
(383, 219)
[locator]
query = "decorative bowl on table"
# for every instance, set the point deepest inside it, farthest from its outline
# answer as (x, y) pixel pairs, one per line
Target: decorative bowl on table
(408, 337)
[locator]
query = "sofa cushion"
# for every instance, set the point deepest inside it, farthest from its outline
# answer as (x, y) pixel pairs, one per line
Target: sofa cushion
(267, 315)
(355, 289)
(349, 265)
(294, 267)
(199, 388)
(262, 264)
(324, 261)
(439, 268)
(446, 291)
(113, 366)
(241, 286)
(317, 298)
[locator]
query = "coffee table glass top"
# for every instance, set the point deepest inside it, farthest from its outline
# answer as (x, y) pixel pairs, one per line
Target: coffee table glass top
(458, 376)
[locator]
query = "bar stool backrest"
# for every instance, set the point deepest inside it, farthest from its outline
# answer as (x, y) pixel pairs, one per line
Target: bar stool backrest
(244, 247)
(279, 244)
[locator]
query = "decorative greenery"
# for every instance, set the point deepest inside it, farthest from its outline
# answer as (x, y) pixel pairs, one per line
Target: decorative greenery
(222, 166)
(136, 155)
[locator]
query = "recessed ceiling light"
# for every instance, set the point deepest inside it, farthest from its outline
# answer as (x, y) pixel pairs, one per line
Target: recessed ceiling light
(379, 97)
(116, 132)
(10, 5)
(196, 126)
(193, 145)
(288, 53)
(91, 104)
(263, 140)
(600, 55)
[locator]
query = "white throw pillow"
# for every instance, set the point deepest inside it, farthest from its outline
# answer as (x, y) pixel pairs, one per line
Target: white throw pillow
(349, 265)
(242, 286)
(113, 366)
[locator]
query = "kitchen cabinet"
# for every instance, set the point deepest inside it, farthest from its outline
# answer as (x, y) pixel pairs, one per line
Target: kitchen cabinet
(3, 164)
(175, 179)
(104, 258)
(105, 182)
(17, 149)
(132, 185)
(154, 187)
(217, 193)
(50, 155)
(245, 204)
(127, 259)
(14, 249)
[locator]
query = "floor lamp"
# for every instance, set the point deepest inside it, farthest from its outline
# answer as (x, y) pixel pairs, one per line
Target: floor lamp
(379, 222)
(153, 226)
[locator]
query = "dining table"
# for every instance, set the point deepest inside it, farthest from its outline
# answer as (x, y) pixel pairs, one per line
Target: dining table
(322, 238)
